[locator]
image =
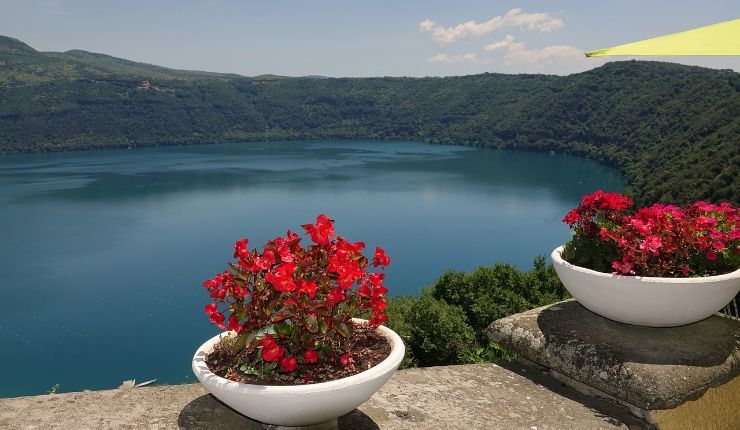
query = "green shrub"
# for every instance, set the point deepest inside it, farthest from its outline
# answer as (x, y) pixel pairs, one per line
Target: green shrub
(440, 333)
(490, 293)
(493, 352)
(447, 324)
(397, 310)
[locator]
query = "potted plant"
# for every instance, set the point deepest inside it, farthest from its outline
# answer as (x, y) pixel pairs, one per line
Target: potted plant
(293, 353)
(657, 266)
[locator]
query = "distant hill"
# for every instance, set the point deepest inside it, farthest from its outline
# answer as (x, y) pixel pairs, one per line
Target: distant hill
(121, 67)
(673, 130)
(22, 64)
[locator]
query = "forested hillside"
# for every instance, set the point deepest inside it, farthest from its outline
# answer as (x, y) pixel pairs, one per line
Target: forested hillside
(673, 130)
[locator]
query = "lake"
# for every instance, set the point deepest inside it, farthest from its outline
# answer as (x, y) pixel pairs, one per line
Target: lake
(103, 253)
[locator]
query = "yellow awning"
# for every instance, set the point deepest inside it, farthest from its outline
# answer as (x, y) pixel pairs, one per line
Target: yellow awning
(716, 39)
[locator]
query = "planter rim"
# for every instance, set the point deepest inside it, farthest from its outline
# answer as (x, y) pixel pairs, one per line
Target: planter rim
(391, 361)
(557, 258)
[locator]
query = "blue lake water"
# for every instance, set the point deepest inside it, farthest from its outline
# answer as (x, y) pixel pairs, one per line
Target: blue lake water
(102, 253)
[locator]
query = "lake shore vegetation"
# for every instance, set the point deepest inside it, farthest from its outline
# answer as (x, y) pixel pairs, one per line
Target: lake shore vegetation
(671, 129)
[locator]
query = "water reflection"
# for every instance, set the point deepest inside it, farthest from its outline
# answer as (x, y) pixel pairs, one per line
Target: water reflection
(103, 252)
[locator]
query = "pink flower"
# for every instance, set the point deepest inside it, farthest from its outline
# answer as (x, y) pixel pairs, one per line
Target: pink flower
(718, 245)
(711, 255)
(706, 222)
(716, 234)
(623, 268)
(651, 244)
(642, 227)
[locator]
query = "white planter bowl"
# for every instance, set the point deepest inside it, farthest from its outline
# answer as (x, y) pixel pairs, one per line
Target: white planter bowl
(299, 405)
(647, 301)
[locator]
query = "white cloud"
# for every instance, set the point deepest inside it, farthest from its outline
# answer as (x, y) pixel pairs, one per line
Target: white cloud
(507, 44)
(426, 25)
(513, 18)
(440, 58)
(469, 57)
(554, 52)
(517, 52)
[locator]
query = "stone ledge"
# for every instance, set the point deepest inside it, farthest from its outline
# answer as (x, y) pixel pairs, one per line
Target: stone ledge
(650, 368)
(483, 396)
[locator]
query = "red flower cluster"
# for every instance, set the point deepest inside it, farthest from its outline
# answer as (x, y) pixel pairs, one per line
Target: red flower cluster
(303, 298)
(271, 351)
(660, 240)
(216, 316)
(380, 259)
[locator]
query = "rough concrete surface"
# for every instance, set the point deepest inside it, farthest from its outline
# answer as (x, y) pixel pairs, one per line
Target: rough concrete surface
(483, 396)
(651, 368)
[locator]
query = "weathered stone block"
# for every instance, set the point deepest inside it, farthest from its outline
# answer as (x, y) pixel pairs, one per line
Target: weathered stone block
(482, 396)
(648, 370)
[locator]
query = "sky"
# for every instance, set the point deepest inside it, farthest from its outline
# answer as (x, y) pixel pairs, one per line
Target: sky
(360, 38)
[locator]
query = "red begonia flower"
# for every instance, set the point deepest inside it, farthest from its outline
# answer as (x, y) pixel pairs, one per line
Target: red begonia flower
(288, 364)
(240, 249)
(310, 356)
(234, 324)
(380, 259)
(322, 231)
(271, 351)
(335, 296)
(307, 287)
(346, 360)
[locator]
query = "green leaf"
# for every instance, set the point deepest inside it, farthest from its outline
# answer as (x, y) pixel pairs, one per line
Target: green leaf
(343, 329)
(247, 369)
(284, 329)
(312, 325)
(323, 326)
(243, 340)
(239, 271)
(351, 308)
(241, 314)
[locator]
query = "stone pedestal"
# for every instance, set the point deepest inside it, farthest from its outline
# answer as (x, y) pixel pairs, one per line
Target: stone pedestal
(679, 377)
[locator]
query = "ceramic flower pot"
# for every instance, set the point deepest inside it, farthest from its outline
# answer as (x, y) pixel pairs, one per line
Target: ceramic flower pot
(647, 301)
(299, 405)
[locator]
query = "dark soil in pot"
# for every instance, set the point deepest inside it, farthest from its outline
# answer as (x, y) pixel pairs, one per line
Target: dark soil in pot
(368, 348)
